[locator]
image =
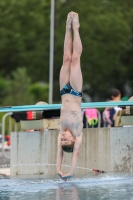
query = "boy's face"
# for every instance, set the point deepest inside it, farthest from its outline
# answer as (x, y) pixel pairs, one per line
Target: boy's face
(67, 138)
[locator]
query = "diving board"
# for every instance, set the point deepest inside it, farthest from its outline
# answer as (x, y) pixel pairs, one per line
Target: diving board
(58, 106)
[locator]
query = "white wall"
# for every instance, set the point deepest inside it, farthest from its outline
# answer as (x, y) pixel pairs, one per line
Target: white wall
(108, 149)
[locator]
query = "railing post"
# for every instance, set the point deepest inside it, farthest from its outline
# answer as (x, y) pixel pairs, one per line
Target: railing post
(3, 133)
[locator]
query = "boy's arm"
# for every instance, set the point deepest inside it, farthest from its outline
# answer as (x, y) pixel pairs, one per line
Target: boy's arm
(75, 156)
(59, 156)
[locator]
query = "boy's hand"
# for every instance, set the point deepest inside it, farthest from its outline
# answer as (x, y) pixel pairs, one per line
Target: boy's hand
(64, 179)
(60, 173)
(67, 176)
(64, 176)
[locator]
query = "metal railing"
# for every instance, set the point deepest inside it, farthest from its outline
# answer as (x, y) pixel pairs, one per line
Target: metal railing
(3, 133)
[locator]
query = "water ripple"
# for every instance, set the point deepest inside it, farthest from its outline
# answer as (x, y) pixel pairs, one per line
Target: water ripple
(35, 185)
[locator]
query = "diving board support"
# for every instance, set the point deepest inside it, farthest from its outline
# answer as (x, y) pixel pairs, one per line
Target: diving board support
(40, 124)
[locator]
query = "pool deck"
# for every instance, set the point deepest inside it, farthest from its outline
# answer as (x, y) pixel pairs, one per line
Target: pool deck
(5, 171)
(4, 163)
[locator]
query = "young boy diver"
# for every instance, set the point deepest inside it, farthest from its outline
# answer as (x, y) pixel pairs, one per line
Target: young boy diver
(70, 136)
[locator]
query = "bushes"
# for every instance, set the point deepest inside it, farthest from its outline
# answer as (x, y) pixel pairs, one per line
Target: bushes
(18, 89)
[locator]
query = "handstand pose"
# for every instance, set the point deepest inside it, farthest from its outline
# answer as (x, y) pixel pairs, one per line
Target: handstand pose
(70, 136)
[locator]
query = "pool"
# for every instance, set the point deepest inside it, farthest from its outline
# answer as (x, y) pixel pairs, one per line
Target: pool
(90, 186)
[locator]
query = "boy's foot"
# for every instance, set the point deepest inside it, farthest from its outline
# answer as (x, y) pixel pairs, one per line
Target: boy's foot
(69, 20)
(75, 21)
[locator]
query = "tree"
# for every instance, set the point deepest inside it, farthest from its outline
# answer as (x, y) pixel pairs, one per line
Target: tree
(106, 33)
(24, 37)
(17, 92)
(3, 89)
(39, 91)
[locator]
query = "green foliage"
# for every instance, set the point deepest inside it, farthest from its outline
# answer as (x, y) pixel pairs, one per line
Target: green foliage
(3, 89)
(17, 89)
(39, 91)
(24, 36)
(106, 32)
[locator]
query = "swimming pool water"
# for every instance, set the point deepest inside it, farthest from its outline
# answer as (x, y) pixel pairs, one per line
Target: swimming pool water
(91, 186)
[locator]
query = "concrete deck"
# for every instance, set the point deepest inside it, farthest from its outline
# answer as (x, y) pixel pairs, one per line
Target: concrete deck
(4, 163)
(5, 171)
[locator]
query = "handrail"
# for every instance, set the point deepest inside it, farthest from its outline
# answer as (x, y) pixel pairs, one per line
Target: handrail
(3, 134)
(99, 118)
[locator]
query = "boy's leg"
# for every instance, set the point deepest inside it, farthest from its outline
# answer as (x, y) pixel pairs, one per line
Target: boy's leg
(65, 69)
(75, 70)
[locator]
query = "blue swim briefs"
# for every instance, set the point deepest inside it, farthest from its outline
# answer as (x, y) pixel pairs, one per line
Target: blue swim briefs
(67, 89)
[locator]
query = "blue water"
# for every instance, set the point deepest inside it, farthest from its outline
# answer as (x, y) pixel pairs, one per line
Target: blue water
(118, 186)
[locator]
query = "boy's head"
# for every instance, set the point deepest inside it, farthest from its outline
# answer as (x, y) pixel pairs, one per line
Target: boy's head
(115, 94)
(67, 141)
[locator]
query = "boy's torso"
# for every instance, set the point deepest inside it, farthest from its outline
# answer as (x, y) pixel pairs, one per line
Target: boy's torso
(71, 114)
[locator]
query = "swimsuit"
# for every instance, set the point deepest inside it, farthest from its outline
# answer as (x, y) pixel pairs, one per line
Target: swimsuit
(67, 89)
